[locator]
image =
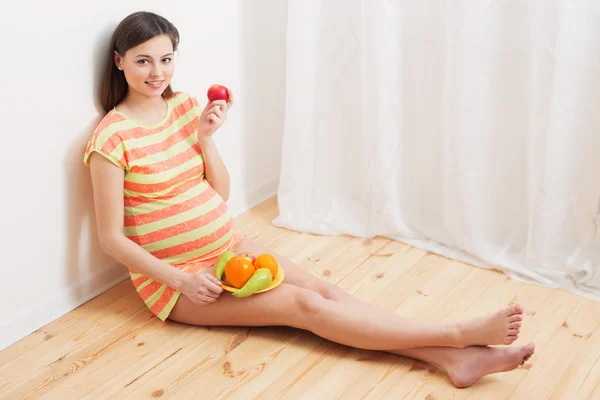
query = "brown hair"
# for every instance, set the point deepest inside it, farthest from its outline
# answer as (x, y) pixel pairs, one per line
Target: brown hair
(134, 30)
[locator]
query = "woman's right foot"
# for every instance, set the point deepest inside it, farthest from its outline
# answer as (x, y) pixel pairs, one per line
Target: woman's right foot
(473, 363)
(500, 327)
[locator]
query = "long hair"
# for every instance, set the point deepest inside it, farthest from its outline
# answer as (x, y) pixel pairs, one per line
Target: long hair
(134, 30)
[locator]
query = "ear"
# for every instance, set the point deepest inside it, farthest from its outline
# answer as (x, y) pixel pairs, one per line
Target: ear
(118, 61)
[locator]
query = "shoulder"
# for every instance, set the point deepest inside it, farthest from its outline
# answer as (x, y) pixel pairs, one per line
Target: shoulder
(185, 99)
(110, 121)
(111, 124)
(184, 103)
(115, 124)
(107, 137)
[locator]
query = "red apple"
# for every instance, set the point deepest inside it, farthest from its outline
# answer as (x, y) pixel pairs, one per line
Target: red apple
(217, 92)
(249, 256)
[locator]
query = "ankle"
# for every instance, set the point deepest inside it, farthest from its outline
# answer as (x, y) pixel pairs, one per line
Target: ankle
(456, 335)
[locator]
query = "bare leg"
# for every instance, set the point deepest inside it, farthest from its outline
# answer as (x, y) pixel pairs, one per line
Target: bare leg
(295, 306)
(500, 327)
(332, 313)
(463, 366)
(291, 305)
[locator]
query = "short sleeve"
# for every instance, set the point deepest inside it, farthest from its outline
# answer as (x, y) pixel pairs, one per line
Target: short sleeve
(111, 148)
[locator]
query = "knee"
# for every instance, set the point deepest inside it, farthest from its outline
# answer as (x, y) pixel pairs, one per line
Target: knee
(308, 305)
(331, 291)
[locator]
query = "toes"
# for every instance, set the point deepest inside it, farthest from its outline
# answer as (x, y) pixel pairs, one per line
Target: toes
(510, 339)
(515, 318)
(530, 348)
(515, 309)
(515, 325)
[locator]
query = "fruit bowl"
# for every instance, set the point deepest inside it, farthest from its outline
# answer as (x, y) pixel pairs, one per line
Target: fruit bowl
(277, 279)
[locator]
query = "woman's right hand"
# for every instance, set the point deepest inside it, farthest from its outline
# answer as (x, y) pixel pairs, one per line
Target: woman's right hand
(202, 288)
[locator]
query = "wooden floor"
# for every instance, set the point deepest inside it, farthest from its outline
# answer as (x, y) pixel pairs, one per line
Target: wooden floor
(113, 348)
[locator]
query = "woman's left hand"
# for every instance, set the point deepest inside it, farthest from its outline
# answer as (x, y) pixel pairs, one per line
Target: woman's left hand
(214, 116)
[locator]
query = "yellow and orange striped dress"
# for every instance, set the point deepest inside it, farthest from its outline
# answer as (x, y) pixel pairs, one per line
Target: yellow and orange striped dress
(170, 209)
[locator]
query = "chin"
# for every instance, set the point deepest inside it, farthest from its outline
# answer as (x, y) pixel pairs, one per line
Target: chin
(153, 92)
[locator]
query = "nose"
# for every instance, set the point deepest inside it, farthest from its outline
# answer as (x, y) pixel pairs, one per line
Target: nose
(156, 70)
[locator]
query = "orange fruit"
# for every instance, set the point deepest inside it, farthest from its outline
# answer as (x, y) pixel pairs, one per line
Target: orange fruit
(238, 270)
(267, 261)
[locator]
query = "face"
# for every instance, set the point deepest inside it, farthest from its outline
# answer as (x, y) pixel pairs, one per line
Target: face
(149, 66)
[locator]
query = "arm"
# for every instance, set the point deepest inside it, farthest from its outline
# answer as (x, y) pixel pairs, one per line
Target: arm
(214, 168)
(211, 119)
(107, 179)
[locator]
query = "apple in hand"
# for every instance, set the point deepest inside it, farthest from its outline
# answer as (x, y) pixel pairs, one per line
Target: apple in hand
(217, 92)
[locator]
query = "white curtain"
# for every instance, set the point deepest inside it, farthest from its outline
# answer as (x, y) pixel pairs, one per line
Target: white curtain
(467, 128)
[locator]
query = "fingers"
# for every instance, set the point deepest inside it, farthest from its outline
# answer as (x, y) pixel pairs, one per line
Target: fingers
(208, 288)
(213, 288)
(212, 285)
(230, 101)
(222, 104)
(217, 104)
(216, 113)
(207, 299)
(213, 279)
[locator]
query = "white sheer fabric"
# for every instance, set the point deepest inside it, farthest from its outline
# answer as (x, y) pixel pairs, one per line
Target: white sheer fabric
(467, 128)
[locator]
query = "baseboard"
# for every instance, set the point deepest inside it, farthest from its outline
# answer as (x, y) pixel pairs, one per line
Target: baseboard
(254, 196)
(64, 300)
(57, 305)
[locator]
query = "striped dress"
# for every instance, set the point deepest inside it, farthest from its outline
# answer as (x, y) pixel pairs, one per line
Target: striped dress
(170, 209)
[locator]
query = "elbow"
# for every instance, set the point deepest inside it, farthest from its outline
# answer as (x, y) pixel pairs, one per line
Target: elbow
(109, 244)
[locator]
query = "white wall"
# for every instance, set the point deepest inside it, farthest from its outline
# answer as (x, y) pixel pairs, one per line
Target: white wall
(52, 58)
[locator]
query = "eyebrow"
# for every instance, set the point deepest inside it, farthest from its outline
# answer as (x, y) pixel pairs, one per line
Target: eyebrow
(146, 55)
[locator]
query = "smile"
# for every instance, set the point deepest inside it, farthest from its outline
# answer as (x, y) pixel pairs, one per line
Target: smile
(154, 83)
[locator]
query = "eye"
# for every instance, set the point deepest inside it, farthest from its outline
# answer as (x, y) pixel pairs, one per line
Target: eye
(142, 61)
(166, 60)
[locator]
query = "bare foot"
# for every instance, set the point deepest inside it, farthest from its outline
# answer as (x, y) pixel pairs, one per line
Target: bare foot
(500, 327)
(474, 363)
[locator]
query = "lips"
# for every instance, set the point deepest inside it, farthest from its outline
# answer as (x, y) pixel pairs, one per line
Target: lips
(154, 84)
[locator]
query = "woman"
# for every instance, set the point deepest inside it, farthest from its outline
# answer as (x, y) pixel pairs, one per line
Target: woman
(160, 192)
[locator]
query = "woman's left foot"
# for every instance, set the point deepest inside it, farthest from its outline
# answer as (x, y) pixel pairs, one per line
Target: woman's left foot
(476, 362)
(500, 327)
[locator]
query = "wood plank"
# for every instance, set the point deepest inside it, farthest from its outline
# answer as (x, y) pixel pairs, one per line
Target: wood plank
(33, 368)
(56, 327)
(110, 373)
(272, 366)
(255, 363)
(582, 326)
(543, 328)
(266, 211)
(111, 347)
(173, 364)
(568, 341)
(78, 359)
